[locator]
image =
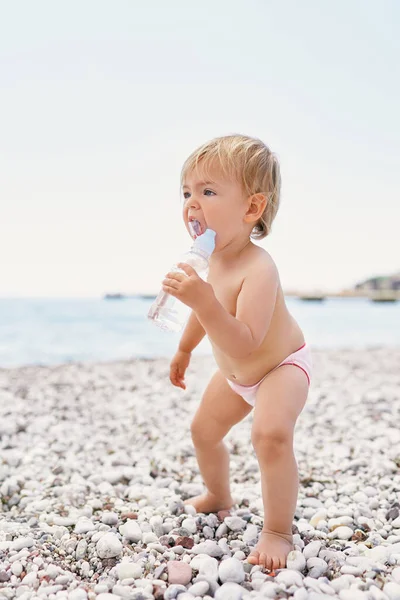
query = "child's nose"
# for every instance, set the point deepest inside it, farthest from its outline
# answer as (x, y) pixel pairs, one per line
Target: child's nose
(193, 201)
(192, 205)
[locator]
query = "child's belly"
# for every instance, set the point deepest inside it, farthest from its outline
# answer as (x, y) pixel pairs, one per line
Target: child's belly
(283, 338)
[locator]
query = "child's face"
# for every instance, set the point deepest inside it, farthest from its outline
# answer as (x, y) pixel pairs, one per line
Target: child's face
(217, 202)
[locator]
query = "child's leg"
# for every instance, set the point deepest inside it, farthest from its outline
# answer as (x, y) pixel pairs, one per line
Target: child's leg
(279, 401)
(219, 410)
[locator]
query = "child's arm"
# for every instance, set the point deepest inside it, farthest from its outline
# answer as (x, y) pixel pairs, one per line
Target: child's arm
(192, 334)
(239, 336)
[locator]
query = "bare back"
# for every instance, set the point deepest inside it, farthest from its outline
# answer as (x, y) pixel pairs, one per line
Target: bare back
(283, 337)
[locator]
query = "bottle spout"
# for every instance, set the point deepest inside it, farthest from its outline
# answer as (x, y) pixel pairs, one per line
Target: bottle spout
(205, 242)
(195, 228)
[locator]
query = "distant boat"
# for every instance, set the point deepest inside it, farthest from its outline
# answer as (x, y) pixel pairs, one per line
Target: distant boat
(383, 296)
(125, 296)
(114, 297)
(313, 298)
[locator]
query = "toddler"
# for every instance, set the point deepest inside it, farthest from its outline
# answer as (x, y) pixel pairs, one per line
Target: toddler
(232, 186)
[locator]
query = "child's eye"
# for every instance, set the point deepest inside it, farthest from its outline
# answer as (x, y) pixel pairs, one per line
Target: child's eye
(186, 195)
(207, 192)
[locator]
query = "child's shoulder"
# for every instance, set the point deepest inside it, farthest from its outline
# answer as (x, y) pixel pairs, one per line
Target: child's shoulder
(259, 257)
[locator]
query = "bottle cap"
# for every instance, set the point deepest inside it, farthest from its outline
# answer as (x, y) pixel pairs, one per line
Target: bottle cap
(205, 242)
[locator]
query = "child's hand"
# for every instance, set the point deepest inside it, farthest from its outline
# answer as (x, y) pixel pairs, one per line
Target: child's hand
(190, 289)
(178, 366)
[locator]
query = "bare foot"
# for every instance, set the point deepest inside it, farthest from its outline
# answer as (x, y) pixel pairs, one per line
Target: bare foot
(271, 550)
(207, 503)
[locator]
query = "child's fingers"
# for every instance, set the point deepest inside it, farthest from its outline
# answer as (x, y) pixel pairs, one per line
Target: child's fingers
(177, 379)
(177, 375)
(173, 376)
(179, 384)
(174, 380)
(180, 380)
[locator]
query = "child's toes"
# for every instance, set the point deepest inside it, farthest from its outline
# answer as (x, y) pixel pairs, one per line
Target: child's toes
(276, 563)
(265, 561)
(254, 557)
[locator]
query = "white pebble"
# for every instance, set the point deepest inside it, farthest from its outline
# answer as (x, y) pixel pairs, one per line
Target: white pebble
(77, 594)
(310, 501)
(289, 577)
(370, 491)
(156, 523)
(320, 515)
(108, 546)
(297, 541)
(235, 523)
(84, 526)
(22, 542)
(269, 589)
(128, 570)
(231, 569)
(392, 590)
(229, 591)
(342, 582)
(349, 569)
(312, 549)
(30, 579)
(250, 534)
(173, 590)
(109, 518)
(304, 526)
(17, 568)
(341, 533)
(376, 593)
(300, 594)
(199, 588)
(131, 531)
(149, 537)
(295, 560)
(190, 524)
(360, 497)
(190, 510)
(208, 547)
(337, 521)
(353, 594)
(317, 567)
(379, 553)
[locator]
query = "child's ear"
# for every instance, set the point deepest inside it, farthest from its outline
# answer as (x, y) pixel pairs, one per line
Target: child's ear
(255, 207)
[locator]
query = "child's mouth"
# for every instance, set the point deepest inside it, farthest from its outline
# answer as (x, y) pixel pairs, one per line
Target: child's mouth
(196, 228)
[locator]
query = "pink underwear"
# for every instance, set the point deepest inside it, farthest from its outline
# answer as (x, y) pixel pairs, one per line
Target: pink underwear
(301, 358)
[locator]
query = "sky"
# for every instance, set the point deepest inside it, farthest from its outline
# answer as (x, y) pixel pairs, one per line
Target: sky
(102, 101)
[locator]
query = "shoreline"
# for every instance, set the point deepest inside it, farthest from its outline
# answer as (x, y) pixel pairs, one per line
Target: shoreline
(195, 356)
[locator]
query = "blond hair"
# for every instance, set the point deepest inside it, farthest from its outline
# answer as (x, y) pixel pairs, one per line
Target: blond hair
(253, 165)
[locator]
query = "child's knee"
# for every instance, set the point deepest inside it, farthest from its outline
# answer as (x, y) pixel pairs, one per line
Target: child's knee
(271, 441)
(206, 433)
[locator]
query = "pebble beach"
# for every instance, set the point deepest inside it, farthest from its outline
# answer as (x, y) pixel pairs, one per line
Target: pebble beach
(96, 460)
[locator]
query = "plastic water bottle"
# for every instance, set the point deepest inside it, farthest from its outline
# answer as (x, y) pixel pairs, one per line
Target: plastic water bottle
(168, 312)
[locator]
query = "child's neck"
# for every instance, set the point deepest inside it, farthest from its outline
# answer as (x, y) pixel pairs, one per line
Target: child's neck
(230, 253)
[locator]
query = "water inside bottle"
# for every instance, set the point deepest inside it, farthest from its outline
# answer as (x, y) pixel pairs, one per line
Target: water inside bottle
(168, 313)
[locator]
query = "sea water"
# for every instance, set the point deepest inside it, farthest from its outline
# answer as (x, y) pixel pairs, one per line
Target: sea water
(54, 331)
